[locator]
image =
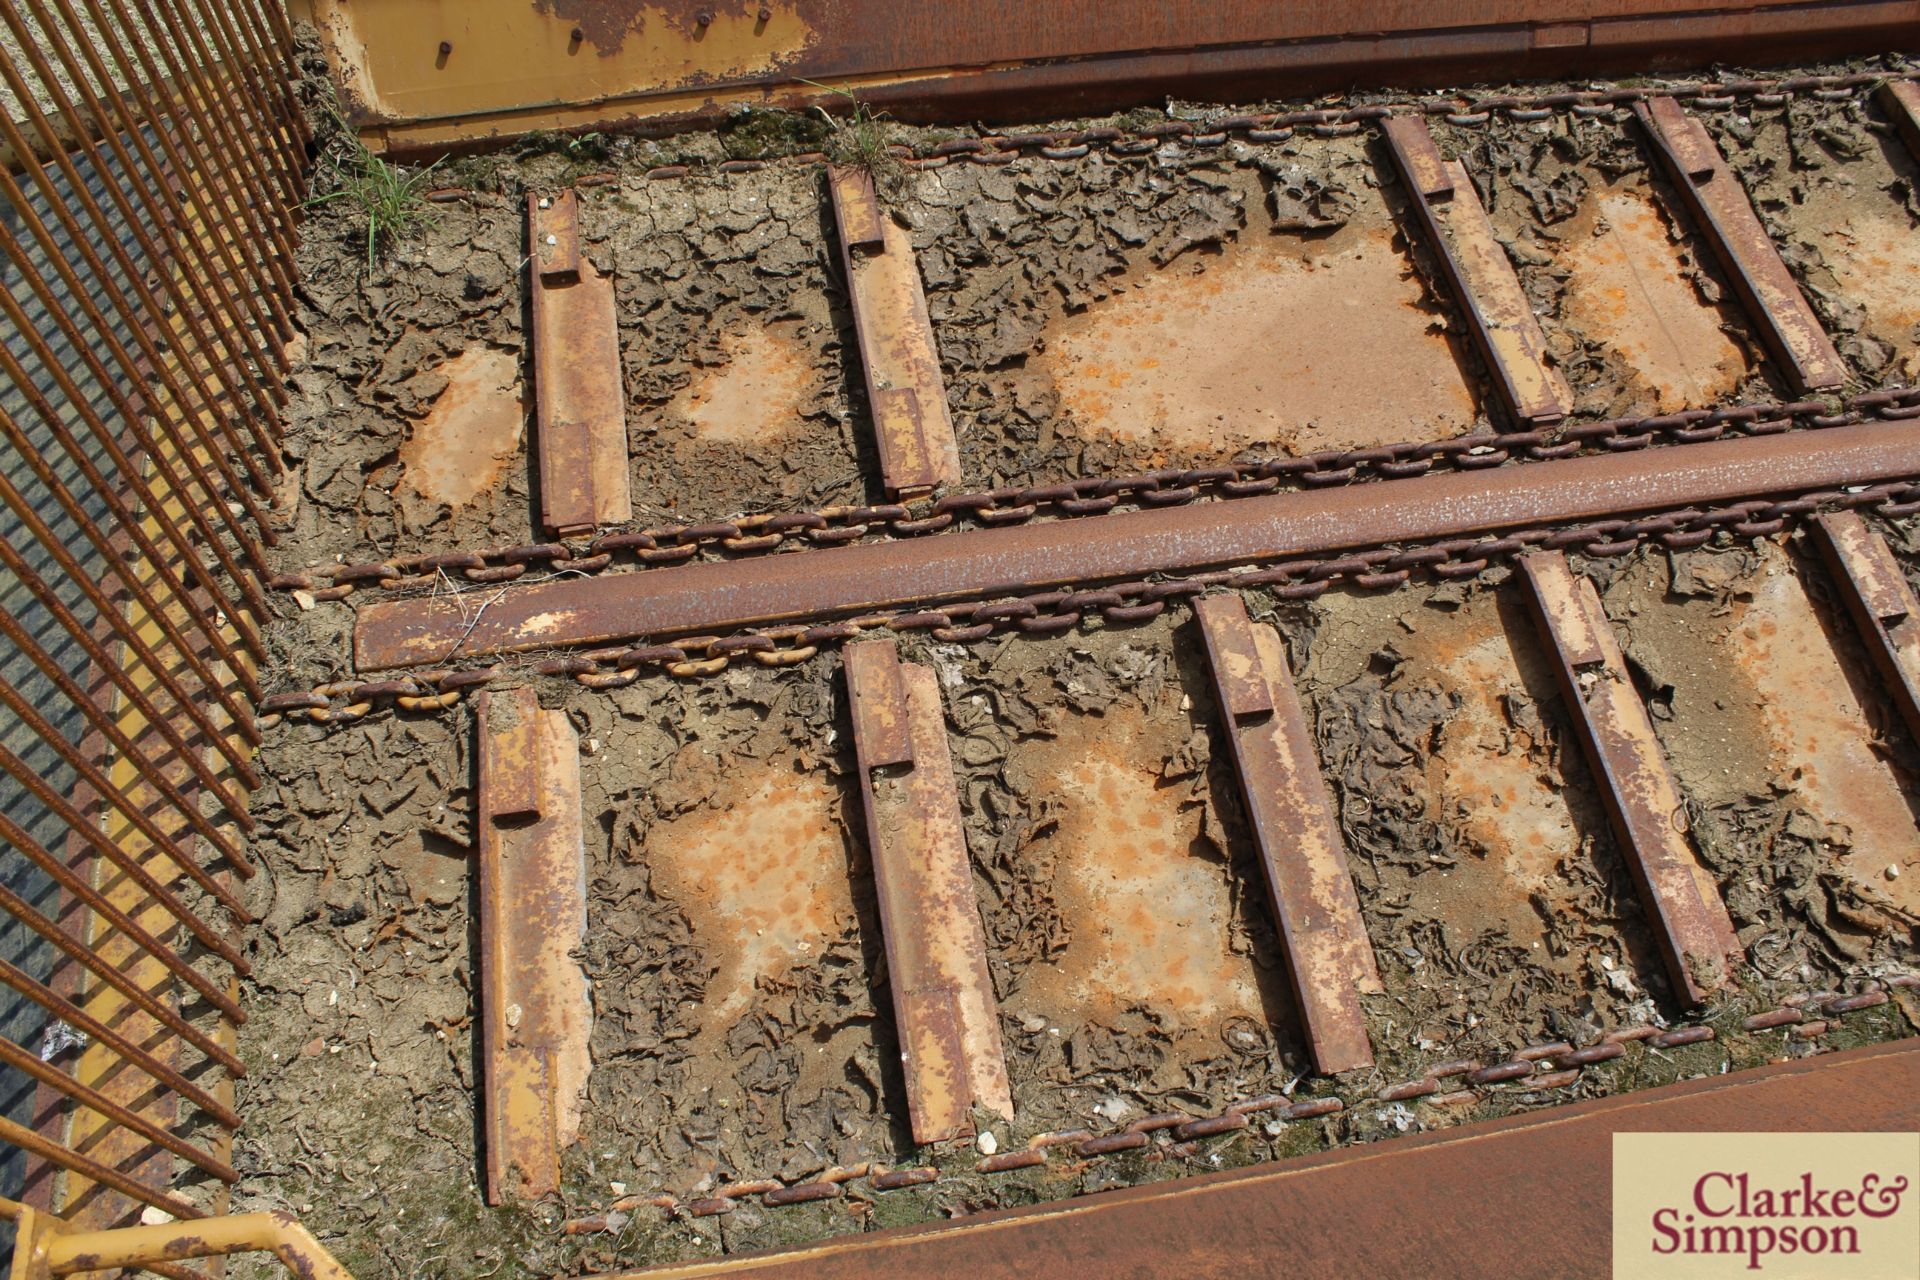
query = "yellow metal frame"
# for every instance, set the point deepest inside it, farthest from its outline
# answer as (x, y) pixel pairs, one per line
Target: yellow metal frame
(48, 1247)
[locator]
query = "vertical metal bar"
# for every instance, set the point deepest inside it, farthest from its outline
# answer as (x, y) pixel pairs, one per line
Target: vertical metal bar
(253, 195)
(1880, 603)
(134, 376)
(533, 915)
(242, 314)
(275, 154)
(125, 683)
(115, 617)
(89, 959)
(190, 258)
(273, 93)
(135, 317)
(61, 1007)
(35, 1145)
(233, 212)
(1681, 899)
(130, 475)
(93, 777)
(63, 808)
(1290, 813)
(273, 42)
(20, 1060)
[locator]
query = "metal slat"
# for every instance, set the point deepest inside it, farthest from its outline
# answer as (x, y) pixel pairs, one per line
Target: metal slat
(534, 1010)
(1721, 210)
(580, 401)
(944, 1008)
(1880, 602)
(906, 391)
(1681, 899)
(1502, 322)
(1290, 811)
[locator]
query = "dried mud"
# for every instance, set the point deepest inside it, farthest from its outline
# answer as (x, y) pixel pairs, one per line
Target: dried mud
(1124, 315)
(1835, 188)
(1093, 316)
(1105, 315)
(1498, 906)
(1636, 312)
(742, 1022)
(1793, 775)
(730, 330)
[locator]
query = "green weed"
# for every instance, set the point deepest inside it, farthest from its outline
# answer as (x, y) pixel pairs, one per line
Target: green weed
(862, 139)
(393, 200)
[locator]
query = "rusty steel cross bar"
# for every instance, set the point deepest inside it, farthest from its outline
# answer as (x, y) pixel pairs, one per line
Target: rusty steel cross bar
(1880, 602)
(1498, 314)
(534, 1011)
(1695, 936)
(1724, 214)
(906, 392)
(718, 596)
(580, 401)
(943, 1002)
(1315, 908)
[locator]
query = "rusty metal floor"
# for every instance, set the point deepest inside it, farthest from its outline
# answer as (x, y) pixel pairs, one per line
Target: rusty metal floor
(1422, 1205)
(982, 841)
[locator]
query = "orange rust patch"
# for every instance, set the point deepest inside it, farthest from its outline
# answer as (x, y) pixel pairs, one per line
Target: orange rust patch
(755, 395)
(1628, 291)
(1876, 260)
(457, 452)
(764, 880)
(1817, 730)
(1490, 785)
(1146, 904)
(1277, 341)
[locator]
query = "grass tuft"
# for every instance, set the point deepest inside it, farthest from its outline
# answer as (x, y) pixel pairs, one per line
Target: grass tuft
(863, 139)
(393, 200)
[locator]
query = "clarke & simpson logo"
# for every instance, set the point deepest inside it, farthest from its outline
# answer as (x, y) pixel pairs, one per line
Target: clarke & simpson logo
(1782, 1205)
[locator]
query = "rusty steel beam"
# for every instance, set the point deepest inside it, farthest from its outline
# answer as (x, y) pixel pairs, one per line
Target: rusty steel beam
(1329, 957)
(906, 394)
(1901, 100)
(1880, 602)
(717, 596)
(945, 1014)
(534, 1012)
(511, 67)
(1720, 209)
(1643, 804)
(1427, 1204)
(581, 405)
(1504, 328)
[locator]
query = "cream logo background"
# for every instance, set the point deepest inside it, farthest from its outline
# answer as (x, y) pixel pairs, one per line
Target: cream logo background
(1785, 1206)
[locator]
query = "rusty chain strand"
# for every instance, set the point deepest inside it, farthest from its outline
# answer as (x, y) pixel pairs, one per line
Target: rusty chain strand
(1543, 1065)
(1088, 496)
(1066, 608)
(1325, 122)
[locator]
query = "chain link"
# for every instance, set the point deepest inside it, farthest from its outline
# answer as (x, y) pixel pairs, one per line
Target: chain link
(1063, 609)
(1176, 1135)
(1327, 122)
(1089, 496)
